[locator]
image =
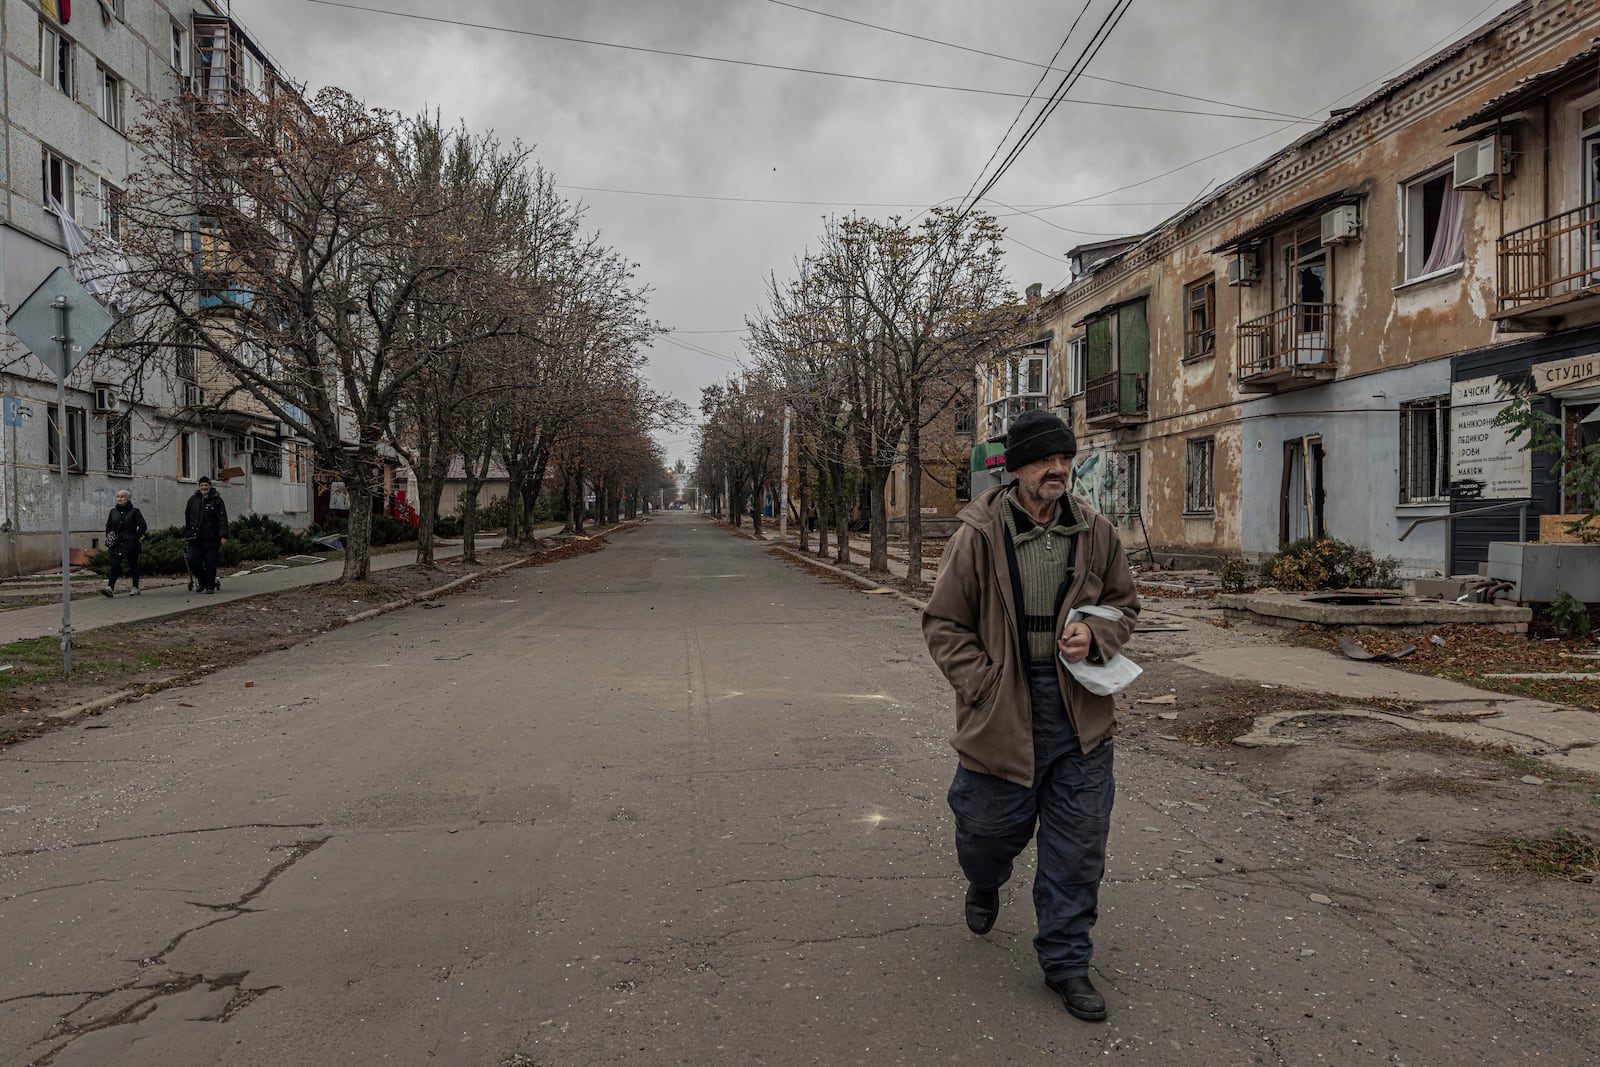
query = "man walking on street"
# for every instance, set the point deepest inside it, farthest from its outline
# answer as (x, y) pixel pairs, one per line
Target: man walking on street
(1034, 747)
(205, 528)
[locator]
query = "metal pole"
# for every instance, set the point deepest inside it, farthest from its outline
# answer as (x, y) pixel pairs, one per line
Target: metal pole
(63, 341)
(783, 502)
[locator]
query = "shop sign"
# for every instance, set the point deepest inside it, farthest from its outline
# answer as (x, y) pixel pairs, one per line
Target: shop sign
(1481, 452)
(1567, 373)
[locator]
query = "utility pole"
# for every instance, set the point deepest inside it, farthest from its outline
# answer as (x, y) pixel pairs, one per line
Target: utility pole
(783, 496)
(63, 341)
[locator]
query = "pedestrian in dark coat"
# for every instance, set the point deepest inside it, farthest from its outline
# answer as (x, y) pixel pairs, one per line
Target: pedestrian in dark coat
(1035, 747)
(205, 528)
(125, 530)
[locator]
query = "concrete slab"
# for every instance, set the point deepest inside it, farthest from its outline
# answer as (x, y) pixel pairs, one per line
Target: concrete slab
(1405, 615)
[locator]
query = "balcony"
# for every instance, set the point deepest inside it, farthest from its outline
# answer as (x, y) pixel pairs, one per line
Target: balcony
(1289, 348)
(1549, 272)
(1117, 399)
(998, 414)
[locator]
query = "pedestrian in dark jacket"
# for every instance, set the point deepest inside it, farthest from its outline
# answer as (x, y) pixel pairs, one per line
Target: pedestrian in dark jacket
(1035, 747)
(125, 530)
(205, 528)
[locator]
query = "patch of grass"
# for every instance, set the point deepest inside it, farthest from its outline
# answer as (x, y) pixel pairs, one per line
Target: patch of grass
(1562, 853)
(1508, 760)
(38, 660)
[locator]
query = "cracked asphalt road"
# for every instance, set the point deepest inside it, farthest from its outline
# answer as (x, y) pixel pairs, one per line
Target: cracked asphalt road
(679, 802)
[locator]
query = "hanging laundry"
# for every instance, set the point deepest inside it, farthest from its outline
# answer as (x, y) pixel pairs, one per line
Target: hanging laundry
(98, 263)
(60, 10)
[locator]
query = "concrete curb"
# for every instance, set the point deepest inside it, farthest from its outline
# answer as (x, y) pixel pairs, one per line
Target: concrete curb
(859, 579)
(149, 688)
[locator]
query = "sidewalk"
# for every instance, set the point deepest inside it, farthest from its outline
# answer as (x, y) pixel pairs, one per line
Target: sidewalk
(1562, 735)
(166, 596)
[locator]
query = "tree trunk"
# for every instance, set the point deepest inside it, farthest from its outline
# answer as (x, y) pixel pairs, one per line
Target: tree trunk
(841, 512)
(358, 532)
(878, 519)
(913, 503)
(803, 469)
(579, 504)
(755, 511)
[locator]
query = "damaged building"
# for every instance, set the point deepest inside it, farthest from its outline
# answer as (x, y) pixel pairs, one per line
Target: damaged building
(1320, 346)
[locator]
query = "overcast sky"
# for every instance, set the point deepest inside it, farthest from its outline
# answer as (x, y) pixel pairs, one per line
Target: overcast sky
(715, 174)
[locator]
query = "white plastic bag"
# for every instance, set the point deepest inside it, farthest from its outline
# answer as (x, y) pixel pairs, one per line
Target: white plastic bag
(1102, 679)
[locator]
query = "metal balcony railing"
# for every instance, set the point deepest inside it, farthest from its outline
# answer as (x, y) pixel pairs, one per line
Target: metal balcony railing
(1552, 258)
(1295, 335)
(1117, 394)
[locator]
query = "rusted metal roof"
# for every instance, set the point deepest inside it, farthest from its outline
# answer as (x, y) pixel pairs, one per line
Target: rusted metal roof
(1534, 86)
(1272, 223)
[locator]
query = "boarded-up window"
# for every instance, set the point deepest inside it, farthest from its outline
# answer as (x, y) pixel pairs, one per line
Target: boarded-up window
(1199, 493)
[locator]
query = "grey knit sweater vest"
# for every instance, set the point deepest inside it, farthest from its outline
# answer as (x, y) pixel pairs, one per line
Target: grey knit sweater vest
(1043, 552)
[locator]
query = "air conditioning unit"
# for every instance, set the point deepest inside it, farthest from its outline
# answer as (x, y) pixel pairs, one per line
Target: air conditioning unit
(285, 430)
(1341, 225)
(1478, 165)
(193, 395)
(1244, 269)
(105, 399)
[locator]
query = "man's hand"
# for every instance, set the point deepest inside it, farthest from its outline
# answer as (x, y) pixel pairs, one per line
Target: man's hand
(1074, 642)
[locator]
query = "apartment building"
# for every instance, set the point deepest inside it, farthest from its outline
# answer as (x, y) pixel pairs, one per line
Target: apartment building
(1319, 346)
(76, 80)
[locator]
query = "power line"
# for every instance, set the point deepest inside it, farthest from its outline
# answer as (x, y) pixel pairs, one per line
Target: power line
(1029, 63)
(1086, 56)
(461, 23)
(839, 203)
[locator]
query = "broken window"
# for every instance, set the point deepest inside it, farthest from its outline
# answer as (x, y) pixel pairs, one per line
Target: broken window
(1432, 209)
(1129, 489)
(77, 439)
(59, 179)
(108, 97)
(1199, 494)
(55, 58)
(1077, 357)
(1424, 450)
(1200, 322)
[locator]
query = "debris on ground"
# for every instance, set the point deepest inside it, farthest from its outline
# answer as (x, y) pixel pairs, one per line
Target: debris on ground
(1355, 650)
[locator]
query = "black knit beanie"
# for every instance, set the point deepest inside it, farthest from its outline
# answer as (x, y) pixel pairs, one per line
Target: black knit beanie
(1036, 434)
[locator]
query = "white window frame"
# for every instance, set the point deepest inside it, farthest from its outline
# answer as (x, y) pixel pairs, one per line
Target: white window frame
(1077, 354)
(294, 463)
(76, 444)
(186, 457)
(1200, 476)
(179, 57)
(255, 75)
(1424, 450)
(108, 97)
(1412, 215)
(52, 163)
(56, 58)
(112, 219)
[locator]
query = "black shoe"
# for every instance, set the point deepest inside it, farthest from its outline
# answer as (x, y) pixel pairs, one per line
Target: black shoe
(983, 908)
(1081, 998)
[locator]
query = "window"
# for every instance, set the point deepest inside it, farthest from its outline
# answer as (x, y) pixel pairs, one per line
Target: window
(77, 439)
(1432, 210)
(186, 471)
(108, 97)
(1077, 355)
(180, 49)
(266, 458)
(1129, 489)
(295, 467)
(55, 58)
(255, 75)
(185, 357)
(963, 415)
(1200, 318)
(59, 181)
(1425, 450)
(1199, 492)
(113, 219)
(219, 456)
(1117, 362)
(119, 443)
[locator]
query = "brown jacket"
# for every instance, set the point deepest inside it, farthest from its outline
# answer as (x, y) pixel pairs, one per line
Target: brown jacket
(971, 628)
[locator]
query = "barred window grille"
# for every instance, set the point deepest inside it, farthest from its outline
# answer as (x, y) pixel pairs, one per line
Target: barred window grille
(1425, 450)
(1199, 494)
(266, 459)
(119, 444)
(1128, 485)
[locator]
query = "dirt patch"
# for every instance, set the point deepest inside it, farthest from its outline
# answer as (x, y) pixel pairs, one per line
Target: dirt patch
(147, 656)
(1470, 653)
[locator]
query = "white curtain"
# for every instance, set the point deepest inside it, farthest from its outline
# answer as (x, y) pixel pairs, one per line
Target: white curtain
(1446, 249)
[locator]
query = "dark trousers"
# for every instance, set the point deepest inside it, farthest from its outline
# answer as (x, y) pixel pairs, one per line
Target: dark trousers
(131, 558)
(203, 562)
(1069, 804)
